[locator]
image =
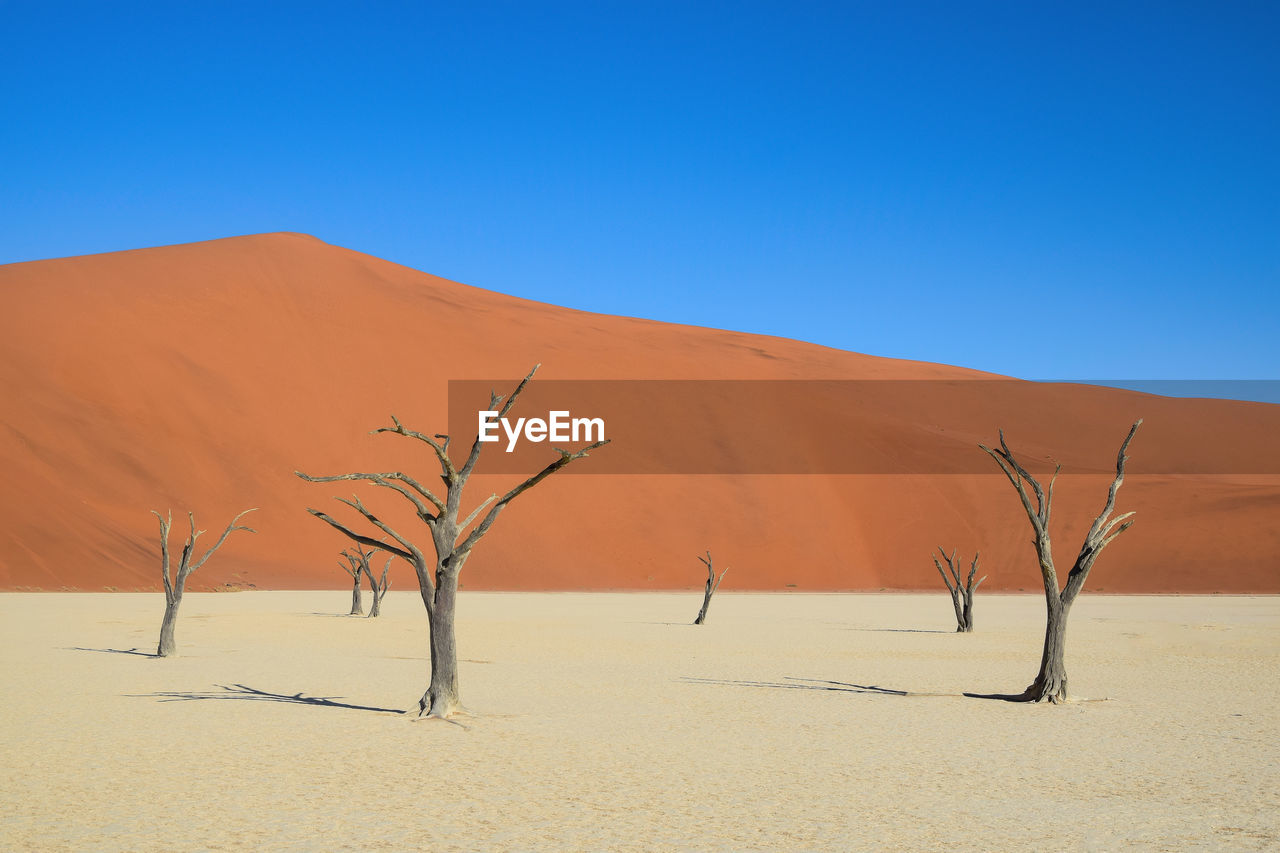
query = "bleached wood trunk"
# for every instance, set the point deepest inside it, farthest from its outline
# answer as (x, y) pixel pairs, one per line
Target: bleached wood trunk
(357, 603)
(167, 647)
(443, 697)
(1051, 682)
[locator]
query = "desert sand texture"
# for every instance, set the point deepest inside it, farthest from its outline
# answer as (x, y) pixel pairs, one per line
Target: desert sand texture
(607, 722)
(201, 376)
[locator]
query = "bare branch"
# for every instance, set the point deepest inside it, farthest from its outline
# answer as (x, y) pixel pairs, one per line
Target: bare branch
(474, 456)
(164, 552)
(446, 464)
(1105, 542)
(946, 580)
(352, 566)
(358, 537)
(223, 538)
(383, 479)
(565, 458)
(472, 517)
(359, 507)
(1005, 463)
(1048, 504)
(1107, 509)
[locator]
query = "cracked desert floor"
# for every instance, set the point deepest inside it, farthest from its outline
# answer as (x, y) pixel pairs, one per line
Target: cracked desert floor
(607, 722)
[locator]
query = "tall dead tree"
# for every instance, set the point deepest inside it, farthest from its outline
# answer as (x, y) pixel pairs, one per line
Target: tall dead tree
(450, 540)
(961, 594)
(174, 587)
(713, 583)
(379, 586)
(1051, 682)
(351, 565)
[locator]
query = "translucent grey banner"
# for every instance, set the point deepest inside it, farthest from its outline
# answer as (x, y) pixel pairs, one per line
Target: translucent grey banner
(864, 426)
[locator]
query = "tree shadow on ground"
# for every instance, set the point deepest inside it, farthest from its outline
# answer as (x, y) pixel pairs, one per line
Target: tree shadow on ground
(904, 630)
(132, 651)
(811, 684)
(999, 697)
(251, 694)
(792, 683)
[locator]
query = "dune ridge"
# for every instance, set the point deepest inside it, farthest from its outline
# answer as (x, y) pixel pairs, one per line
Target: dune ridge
(200, 376)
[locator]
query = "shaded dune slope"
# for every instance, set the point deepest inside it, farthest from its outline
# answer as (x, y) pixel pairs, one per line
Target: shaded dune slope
(201, 376)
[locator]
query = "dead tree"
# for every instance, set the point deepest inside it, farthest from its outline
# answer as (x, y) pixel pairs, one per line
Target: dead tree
(961, 594)
(450, 540)
(1051, 682)
(713, 583)
(379, 586)
(351, 565)
(174, 587)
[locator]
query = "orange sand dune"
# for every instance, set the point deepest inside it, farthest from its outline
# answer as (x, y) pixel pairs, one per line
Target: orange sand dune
(201, 376)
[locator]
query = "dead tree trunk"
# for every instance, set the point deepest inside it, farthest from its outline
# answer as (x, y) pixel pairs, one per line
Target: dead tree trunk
(352, 567)
(961, 594)
(450, 539)
(713, 583)
(379, 586)
(357, 565)
(1050, 684)
(174, 587)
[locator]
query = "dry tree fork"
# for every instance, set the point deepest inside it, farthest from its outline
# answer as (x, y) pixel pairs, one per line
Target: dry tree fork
(357, 565)
(713, 583)
(961, 594)
(452, 544)
(379, 587)
(351, 564)
(174, 587)
(1051, 683)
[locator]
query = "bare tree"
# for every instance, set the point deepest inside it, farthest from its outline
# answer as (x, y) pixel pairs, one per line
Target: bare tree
(351, 565)
(713, 583)
(379, 586)
(357, 564)
(174, 587)
(1051, 682)
(961, 594)
(452, 544)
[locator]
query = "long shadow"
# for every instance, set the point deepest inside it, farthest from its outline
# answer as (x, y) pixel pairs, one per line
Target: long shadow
(133, 651)
(999, 697)
(690, 624)
(811, 684)
(250, 694)
(792, 683)
(902, 630)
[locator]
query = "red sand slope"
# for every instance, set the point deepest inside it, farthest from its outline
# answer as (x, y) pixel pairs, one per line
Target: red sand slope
(201, 376)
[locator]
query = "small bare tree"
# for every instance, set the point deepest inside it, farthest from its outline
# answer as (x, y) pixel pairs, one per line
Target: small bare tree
(351, 565)
(452, 544)
(713, 583)
(961, 594)
(379, 586)
(1051, 682)
(174, 587)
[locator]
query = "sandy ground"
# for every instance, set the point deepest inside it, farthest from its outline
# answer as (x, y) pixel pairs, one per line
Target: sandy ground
(604, 721)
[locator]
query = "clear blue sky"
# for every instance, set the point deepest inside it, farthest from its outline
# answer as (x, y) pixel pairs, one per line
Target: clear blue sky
(1063, 190)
